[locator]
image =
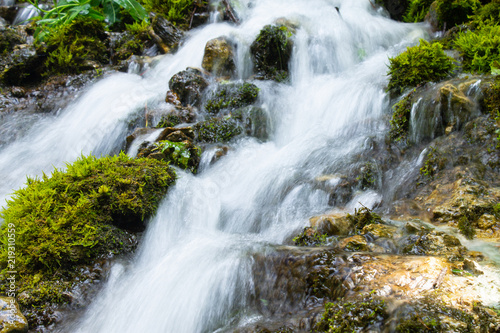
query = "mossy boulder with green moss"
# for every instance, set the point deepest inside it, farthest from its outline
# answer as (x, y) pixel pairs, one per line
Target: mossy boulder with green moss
(417, 65)
(230, 96)
(22, 67)
(217, 130)
(133, 42)
(271, 52)
(176, 11)
(74, 217)
(8, 39)
(73, 47)
(400, 120)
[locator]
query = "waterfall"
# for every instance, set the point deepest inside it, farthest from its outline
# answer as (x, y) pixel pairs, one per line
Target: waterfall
(192, 272)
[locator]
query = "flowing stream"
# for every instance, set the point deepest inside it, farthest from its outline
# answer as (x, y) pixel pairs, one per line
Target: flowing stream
(192, 272)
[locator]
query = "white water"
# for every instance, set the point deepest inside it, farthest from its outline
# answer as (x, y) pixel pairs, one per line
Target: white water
(193, 271)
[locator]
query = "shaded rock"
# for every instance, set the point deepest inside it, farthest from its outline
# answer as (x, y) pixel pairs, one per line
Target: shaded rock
(396, 8)
(189, 86)
(11, 318)
(166, 35)
(254, 120)
(472, 266)
(9, 13)
(332, 224)
(218, 57)
(22, 67)
(271, 52)
(9, 38)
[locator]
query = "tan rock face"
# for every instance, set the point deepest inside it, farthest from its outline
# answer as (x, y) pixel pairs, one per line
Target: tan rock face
(332, 224)
(11, 318)
(218, 57)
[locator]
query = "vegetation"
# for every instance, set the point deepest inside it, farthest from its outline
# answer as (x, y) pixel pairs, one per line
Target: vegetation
(310, 237)
(176, 11)
(480, 48)
(455, 12)
(363, 217)
(231, 96)
(434, 162)
(8, 38)
(135, 40)
(417, 65)
(68, 218)
(353, 316)
(491, 104)
(400, 122)
(217, 130)
(417, 10)
(180, 154)
(170, 120)
(70, 46)
(488, 14)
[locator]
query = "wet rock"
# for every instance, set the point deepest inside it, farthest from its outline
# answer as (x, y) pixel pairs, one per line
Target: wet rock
(230, 96)
(434, 243)
(9, 38)
(472, 266)
(486, 221)
(218, 57)
(11, 318)
(378, 231)
(354, 243)
(8, 13)
(167, 35)
(271, 52)
(396, 8)
(457, 108)
(24, 66)
(254, 120)
(332, 224)
(215, 130)
(189, 86)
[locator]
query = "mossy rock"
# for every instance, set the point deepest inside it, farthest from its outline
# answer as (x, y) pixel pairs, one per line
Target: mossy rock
(22, 67)
(417, 65)
(400, 121)
(8, 39)
(217, 130)
(310, 237)
(363, 217)
(72, 48)
(132, 42)
(271, 52)
(228, 97)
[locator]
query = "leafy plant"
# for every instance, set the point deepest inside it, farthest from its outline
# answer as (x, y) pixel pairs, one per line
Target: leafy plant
(177, 152)
(480, 48)
(417, 65)
(487, 14)
(310, 237)
(363, 217)
(65, 11)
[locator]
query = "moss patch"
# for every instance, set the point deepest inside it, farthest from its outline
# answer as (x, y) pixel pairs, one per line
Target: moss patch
(400, 121)
(217, 130)
(232, 96)
(363, 217)
(417, 65)
(310, 237)
(479, 48)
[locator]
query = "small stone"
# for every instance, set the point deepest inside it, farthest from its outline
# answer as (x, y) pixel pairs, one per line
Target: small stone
(473, 267)
(331, 224)
(11, 318)
(486, 221)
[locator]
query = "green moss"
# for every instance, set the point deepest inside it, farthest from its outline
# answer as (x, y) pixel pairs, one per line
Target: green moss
(135, 40)
(417, 65)
(434, 162)
(466, 221)
(217, 130)
(8, 39)
(70, 46)
(310, 237)
(415, 324)
(354, 316)
(455, 12)
(169, 121)
(417, 10)
(400, 121)
(176, 11)
(480, 48)
(363, 217)
(231, 96)
(489, 14)
(68, 218)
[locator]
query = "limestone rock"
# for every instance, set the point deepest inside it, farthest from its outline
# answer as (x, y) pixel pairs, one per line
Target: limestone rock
(354, 243)
(11, 318)
(218, 57)
(379, 231)
(332, 224)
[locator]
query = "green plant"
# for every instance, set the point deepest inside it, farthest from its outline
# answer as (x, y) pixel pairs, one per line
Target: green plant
(169, 121)
(417, 65)
(231, 96)
(65, 11)
(417, 10)
(310, 237)
(465, 222)
(177, 152)
(176, 11)
(434, 162)
(455, 12)
(400, 121)
(488, 14)
(217, 130)
(480, 48)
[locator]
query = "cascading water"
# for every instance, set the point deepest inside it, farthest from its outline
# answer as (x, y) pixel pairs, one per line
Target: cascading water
(193, 271)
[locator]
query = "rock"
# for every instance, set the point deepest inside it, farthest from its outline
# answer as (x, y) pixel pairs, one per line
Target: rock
(473, 267)
(218, 57)
(22, 67)
(332, 224)
(434, 243)
(378, 231)
(182, 133)
(271, 52)
(396, 8)
(231, 96)
(9, 13)
(167, 35)
(254, 120)
(9, 38)
(457, 108)
(189, 86)
(11, 318)
(354, 243)
(486, 221)
(215, 130)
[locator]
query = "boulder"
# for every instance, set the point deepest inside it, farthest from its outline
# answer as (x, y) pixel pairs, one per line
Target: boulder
(11, 318)
(378, 231)
(189, 86)
(23, 66)
(218, 57)
(354, 243)
(396, 8)
(166, 35)
(332, 224)
(271, 52)
(228, 97)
